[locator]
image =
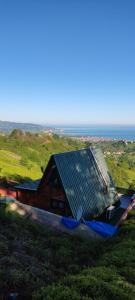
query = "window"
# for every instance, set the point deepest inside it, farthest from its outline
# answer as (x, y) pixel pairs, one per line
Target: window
(54, 204)
(54, 181)
(61, 205)
(57, 204)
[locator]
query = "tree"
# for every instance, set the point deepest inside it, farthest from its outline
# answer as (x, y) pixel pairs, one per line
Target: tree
(17, 133)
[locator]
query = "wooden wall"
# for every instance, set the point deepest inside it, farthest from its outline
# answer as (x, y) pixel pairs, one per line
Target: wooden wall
(27, 197)
(50, 194)
(44, 199)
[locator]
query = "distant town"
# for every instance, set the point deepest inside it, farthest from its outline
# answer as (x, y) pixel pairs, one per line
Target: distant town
(6, 127)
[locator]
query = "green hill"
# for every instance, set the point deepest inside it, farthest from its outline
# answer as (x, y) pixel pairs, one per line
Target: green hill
(7, 126)
(22, 153)
(120, 157)
(55, 266)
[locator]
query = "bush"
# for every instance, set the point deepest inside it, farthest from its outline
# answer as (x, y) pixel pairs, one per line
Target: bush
(95, 283)
(59, 292)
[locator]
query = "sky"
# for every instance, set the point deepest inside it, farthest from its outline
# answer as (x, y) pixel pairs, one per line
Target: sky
(67, 61)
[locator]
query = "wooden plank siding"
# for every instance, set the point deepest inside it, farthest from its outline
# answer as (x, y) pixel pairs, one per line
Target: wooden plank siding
(44, 199)
(50, 194)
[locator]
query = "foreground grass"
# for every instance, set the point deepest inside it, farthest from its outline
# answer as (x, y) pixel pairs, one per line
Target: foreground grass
(55, 266)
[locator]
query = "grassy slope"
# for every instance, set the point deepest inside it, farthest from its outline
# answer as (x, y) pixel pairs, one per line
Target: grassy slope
(10, 164)
(54, 266)
(61, 267)
(122, 167)
(22, 156)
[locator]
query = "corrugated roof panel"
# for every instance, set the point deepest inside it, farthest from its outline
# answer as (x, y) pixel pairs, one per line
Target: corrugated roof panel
(82, 182)
(102, 168)
(99, 157)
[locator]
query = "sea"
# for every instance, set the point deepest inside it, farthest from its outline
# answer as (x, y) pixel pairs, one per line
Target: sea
(118, 132)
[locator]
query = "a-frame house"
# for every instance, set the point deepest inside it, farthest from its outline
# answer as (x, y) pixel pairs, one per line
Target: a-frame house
(72, 180)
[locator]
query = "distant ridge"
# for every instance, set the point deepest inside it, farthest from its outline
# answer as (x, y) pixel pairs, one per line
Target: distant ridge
(7, 126)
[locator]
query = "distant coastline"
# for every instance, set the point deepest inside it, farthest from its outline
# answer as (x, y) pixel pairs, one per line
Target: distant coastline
(99, 133)
(89, 133)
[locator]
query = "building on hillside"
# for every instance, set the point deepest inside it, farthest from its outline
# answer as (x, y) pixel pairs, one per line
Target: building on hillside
(72, 180)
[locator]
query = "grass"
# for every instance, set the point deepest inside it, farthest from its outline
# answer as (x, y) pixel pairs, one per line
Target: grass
(11, 164)
(55, 266)
(40, 264)
(131, 175)
(23, 156)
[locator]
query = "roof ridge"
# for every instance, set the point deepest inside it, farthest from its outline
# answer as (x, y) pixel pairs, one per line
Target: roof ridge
(71, 151)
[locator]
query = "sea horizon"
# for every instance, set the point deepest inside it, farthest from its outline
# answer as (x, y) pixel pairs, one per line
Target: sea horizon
(118, 132)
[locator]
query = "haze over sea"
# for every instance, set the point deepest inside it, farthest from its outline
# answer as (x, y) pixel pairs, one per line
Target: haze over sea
(120, 132)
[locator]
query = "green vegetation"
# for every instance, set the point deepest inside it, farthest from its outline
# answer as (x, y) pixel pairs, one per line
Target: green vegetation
(22, 154)
(120, 157)
(56, 266)
(61, 267)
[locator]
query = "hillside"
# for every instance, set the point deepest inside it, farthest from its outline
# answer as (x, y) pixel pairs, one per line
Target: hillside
(6, 126)
(60, 267)
(55, 266)
(22, 153)
(120, 157)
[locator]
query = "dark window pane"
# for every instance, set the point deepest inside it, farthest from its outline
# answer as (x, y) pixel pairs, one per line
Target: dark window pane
(61, 204)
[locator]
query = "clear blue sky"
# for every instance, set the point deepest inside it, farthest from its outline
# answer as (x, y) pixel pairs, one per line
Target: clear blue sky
(67, 61)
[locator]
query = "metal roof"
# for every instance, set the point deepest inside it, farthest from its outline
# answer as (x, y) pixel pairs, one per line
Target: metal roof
(30, 185)
(86, 181)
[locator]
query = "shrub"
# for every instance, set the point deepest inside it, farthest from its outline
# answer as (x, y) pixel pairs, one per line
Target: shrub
(59, 292)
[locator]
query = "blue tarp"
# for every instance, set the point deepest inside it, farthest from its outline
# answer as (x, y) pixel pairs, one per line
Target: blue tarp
(104, 229)
(69, 222)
